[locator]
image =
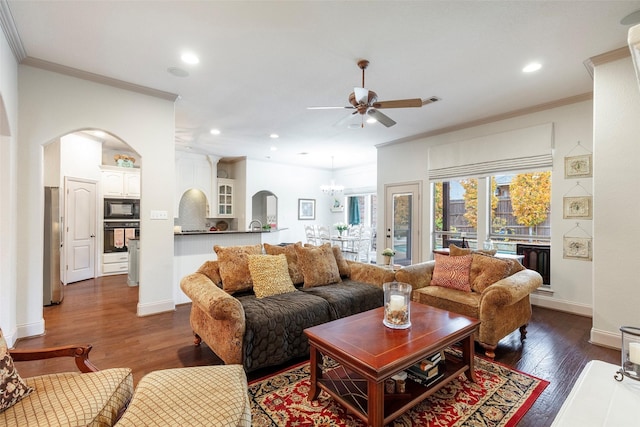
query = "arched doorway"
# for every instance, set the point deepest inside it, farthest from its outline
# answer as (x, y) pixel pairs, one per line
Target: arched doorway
(77, 163)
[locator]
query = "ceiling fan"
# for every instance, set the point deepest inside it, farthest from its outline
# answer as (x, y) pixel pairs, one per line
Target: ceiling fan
(365, 101)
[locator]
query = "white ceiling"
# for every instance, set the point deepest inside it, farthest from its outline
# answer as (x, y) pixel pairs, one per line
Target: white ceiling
(262, 63)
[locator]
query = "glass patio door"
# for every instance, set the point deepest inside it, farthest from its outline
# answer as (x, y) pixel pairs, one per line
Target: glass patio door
(402, 222)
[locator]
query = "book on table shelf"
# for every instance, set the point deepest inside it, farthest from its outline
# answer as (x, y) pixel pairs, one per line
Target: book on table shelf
(428, 371)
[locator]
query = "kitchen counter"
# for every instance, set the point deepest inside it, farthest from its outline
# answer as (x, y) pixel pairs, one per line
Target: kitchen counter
(192, 248)
(190, 233)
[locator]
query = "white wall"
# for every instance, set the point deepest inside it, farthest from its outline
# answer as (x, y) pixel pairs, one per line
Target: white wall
(570, 279)
(8, 189)
(616, 286)
(290, 183)
(52, 105)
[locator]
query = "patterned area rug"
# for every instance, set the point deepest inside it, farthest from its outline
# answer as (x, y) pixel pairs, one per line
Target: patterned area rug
(501, 397)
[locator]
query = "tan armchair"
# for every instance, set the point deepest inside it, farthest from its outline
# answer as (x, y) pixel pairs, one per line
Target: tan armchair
(89, 397)
(502, 307)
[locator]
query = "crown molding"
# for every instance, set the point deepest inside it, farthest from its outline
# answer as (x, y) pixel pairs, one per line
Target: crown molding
(612, 55)
(11, 32)
(496, 118)
(97, 78)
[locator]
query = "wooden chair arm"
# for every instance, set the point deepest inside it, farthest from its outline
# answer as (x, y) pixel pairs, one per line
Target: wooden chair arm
(80, 353)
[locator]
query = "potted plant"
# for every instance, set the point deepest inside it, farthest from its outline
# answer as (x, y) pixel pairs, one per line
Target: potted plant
(387, 254)
(341, 227)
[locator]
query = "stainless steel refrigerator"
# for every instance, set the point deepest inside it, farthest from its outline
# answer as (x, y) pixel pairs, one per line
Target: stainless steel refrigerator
(52, 285)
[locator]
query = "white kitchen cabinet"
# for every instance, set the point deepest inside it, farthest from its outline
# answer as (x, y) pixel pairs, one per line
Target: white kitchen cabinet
(115, 263)
(119, 183)
(225, 198)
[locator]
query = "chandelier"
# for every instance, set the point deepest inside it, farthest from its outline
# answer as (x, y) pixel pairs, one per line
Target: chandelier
(332, 188)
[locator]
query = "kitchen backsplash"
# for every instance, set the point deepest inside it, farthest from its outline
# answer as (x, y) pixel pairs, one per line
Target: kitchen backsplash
(192, 212)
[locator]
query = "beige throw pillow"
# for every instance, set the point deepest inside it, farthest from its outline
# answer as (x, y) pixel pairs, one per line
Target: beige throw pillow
(292, 260)
(270, 275)
(234, 266)
(486, 270)
(318, 265)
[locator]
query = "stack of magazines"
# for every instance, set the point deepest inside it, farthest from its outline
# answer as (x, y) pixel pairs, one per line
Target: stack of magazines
(428, 371)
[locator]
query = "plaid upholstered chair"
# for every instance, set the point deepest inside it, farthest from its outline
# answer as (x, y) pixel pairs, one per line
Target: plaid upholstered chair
(89, 397)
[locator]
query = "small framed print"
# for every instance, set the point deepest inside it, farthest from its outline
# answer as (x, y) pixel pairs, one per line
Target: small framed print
(577, 248)
(307, 209)
(578, 166)
(577, 207)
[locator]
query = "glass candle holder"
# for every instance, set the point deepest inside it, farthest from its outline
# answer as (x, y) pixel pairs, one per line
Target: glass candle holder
(630, 354)
(397, 296)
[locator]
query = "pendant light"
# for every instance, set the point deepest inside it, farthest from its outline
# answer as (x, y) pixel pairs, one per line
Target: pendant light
(332, 188)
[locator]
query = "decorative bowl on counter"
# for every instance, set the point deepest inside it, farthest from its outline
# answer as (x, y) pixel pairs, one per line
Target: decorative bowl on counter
(222, 226)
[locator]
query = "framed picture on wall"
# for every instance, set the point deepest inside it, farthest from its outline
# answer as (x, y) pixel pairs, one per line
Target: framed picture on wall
(577, 248)
(578, 166)
(577, 207)
(307, 209)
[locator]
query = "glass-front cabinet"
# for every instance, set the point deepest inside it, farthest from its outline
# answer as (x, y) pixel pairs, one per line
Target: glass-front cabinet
(225, 197)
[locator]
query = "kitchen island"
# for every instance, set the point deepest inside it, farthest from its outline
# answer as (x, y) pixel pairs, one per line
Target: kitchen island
(192, 248)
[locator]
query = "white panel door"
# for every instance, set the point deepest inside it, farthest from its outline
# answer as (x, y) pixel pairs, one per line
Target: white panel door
(80, 231)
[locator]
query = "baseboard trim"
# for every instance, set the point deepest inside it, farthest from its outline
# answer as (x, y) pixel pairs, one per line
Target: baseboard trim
(31, 329)
(155, 308)
(561, 305)
(606, 338)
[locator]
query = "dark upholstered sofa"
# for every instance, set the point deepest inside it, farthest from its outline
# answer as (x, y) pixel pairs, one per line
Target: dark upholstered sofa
(245, 327)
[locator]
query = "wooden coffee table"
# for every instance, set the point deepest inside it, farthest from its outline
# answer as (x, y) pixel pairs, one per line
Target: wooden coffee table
(368, 353)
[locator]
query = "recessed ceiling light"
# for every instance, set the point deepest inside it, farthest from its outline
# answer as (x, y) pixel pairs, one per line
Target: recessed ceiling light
(177, 72)
(273, 148)
(190, 58)
(214, 131)
(302, 153)
(274, 136)
(530, 68)
(632, 18)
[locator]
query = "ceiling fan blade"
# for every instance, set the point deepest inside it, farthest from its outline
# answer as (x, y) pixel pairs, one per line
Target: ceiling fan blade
(430, 100)
(398, 103)
(362, 95)
(382, 118)
(330, 108)
(344, 120)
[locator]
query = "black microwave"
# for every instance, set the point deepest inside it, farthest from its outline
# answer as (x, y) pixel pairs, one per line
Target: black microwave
(121, 209)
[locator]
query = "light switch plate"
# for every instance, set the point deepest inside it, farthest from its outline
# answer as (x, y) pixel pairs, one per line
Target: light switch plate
(159, 215)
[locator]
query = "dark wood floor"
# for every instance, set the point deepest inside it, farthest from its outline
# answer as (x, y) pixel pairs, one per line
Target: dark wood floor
(102, 312)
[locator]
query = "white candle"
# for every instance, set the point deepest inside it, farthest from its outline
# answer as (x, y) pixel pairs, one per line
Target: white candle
(634, 352)
(396, 303)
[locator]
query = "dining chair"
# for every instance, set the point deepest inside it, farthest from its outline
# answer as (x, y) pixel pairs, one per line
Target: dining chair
(310, 232)
(323, 235)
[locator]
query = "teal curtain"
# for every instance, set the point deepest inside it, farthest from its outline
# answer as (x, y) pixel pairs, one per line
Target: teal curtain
(354, 211)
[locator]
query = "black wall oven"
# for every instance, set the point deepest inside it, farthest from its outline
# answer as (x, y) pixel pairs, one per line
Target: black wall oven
(118, 233)
(121, 209)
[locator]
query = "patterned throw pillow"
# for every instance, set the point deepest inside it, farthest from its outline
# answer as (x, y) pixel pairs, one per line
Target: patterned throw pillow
(452, 272)
(292, 260)
(486, 270)
(270, 275)
(12, 387)
(234, 266)
(343, 267)
(318, 265)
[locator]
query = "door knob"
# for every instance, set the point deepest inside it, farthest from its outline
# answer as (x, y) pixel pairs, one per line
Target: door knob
(93, 235)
